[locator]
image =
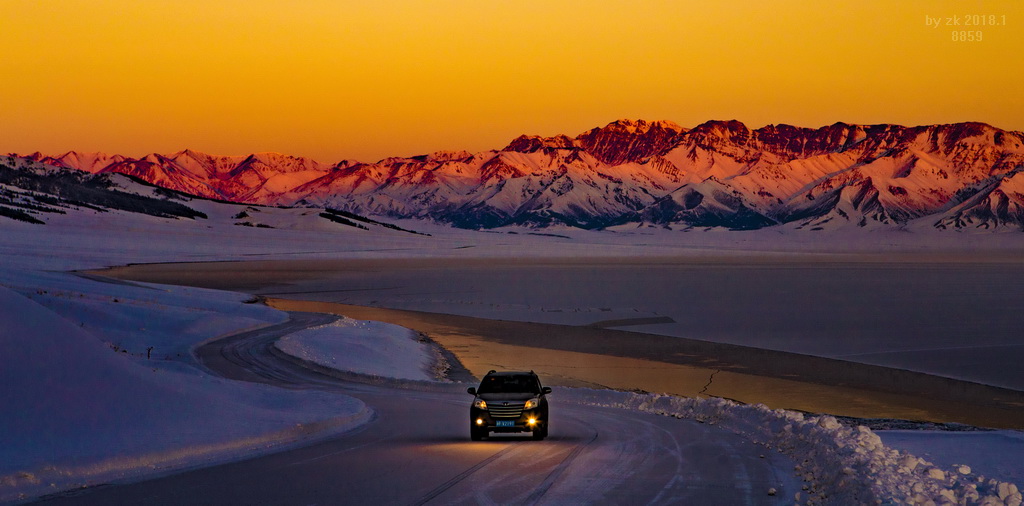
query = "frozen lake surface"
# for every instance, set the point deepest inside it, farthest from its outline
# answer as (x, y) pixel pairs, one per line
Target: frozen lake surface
(955, 319)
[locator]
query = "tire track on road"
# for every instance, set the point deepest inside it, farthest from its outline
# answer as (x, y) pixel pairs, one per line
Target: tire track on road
(461, 476)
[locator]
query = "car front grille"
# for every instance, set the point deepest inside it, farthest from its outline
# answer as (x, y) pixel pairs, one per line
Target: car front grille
(505, 409)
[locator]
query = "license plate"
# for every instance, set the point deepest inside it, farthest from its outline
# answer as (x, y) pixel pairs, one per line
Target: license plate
(505, 423)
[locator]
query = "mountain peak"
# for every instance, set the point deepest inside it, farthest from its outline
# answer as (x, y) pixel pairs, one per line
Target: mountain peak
(628, 140)
(640, 126)
(449, 156)
(532, 143)
(81, 160)
(731, 125)
(190, 152)
(715, 132)
(965, 130)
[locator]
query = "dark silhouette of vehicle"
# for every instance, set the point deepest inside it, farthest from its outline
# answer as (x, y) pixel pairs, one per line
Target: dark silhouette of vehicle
(510, 401)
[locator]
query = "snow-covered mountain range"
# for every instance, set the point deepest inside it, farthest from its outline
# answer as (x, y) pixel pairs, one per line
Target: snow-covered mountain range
(718, 174)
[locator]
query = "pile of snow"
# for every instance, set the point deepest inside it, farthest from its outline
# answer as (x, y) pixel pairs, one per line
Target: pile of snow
(839, 464)
(78, 409)
(993, 453)
(365, 347)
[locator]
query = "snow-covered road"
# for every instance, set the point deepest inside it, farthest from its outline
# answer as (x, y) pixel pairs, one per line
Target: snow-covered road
(416, 450)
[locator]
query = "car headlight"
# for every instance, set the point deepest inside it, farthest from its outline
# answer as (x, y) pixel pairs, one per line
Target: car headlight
(480, 403)
(531, 404)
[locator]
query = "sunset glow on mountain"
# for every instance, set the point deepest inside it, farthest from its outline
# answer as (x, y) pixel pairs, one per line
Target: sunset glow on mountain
(337, 79)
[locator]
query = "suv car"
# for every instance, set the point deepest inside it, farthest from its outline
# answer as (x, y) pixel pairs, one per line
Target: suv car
(511, 401)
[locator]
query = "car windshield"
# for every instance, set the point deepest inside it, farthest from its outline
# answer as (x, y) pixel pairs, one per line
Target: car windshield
(509, 384)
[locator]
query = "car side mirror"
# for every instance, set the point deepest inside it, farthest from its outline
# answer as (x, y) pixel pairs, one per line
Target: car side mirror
(545, 390)
(471, 390)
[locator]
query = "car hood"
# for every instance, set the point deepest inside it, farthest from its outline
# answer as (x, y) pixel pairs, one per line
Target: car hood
(508, 397)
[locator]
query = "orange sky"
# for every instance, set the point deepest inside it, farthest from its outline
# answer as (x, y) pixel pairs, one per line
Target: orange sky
(335, 79)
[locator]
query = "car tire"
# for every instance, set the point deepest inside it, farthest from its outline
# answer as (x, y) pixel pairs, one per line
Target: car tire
(540, 432)
(476, 434)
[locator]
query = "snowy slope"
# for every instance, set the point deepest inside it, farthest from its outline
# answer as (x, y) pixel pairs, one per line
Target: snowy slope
(708, 203)
(82, 402)
(38, 193)
(999, 204)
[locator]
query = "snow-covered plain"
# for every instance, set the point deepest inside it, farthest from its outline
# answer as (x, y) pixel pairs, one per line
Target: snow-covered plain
(92, 406)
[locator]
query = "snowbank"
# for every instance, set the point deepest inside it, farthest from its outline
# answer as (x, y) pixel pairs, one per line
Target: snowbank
(993, 453)
(365, 347)
(839, 465)
(77, 409)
